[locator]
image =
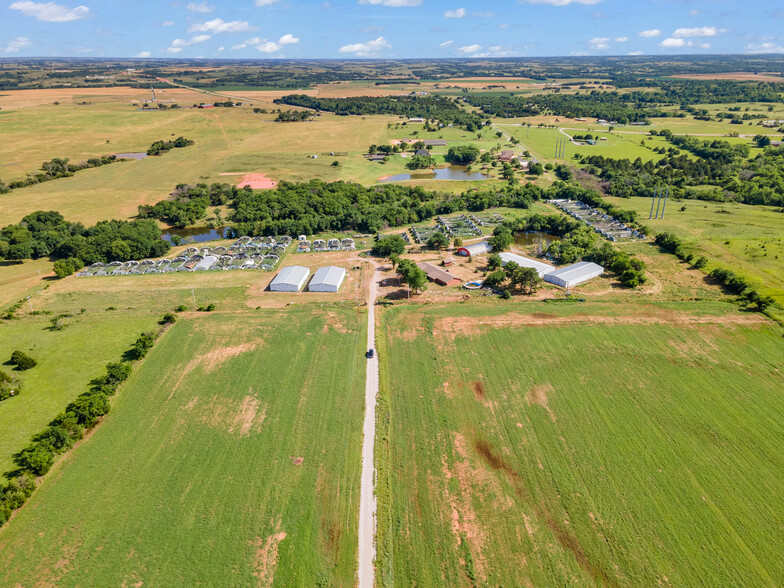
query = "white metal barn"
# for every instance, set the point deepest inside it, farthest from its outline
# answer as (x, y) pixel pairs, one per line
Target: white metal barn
(327, 279)
(574, 274)
(290, 279)
(540, 267)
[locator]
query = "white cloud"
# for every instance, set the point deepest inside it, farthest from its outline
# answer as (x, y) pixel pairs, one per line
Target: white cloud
(364, 49)
(579, 53)
(599, 43)
(705, 45)
(202, 7)
(392, 3)
(697, 32)
(621, 39)
(764, 48)
(179, 44)
(446, 43)
(634, 53)
(288, 39)
(694, 12)
(563, 2)
(218, 25)
(649, 33)
(470, 49)
(50, 12)
(458, 13)
(264, 2)
(269, 47)
(17, 44)
(167, 23)
(143, 54)
(221, 48)
(673, 43)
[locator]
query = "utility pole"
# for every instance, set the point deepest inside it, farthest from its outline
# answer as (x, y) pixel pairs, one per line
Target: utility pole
(194, 298)
(665, 201)
(653, 201)
(29, 299)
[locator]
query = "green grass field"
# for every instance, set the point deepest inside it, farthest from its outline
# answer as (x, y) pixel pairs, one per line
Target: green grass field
(593, 444)
(746, 239)
(231, 457)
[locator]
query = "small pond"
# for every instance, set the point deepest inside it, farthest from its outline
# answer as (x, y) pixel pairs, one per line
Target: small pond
(535, 238)
(453, 173)
(137, 156)
(196, 234)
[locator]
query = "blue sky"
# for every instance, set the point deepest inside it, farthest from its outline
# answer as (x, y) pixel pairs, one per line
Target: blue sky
(388, 28)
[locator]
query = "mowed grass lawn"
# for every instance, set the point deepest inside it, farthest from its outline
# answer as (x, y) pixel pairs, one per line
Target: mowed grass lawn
(548, 445)
(231, 457)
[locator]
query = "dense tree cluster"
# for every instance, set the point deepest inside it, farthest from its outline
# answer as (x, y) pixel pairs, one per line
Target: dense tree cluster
(43, 234)
(412, 275)
(462, 155)
(294, 115)
(514, 277)
(433, 108)
(317, 206)
(718, 163)
(188, 204)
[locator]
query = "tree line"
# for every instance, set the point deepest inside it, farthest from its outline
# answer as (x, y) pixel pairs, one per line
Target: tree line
(434, 108)
(54, 169)
(188, 204)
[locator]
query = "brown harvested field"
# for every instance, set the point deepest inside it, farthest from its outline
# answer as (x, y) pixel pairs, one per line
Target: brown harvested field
(739, 76)
(26, 98)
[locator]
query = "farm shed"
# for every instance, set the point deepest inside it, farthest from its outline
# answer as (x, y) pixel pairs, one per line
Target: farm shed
(206, 263)
(541, 267)
(506, 156)
(574, 274)
(422, 153)
(475, 249)
(434, 142)
(327, 279)
(438, 275)
(290, 279)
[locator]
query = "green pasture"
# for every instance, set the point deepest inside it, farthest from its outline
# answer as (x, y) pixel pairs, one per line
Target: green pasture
(580, 444)
(745, 239)
(231, 457)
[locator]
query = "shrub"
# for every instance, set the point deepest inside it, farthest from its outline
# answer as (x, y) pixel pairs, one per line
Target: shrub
(181, 308)
(168, 318)
(142, 345)
(700, 262)
(22, 361)
(36, 458)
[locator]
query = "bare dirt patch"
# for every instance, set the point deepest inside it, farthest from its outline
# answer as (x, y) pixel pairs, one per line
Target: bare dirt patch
(479, 390)
(336, 323)
(297, 461)
(215, 358)
(265, 559)
(467, 326)
(537, 394)
(257, 182)
(237, 418)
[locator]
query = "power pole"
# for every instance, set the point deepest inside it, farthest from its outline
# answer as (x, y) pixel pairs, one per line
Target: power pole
(653, 201)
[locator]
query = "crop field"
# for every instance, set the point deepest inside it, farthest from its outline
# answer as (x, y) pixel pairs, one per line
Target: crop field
(231, 456)
(746, 239)
(550, 444)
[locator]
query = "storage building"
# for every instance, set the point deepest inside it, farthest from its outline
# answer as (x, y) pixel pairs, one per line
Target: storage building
(327, 279)
(540, 267)
(475, 249)
(438, 275)
(574, 274)
(290, 279)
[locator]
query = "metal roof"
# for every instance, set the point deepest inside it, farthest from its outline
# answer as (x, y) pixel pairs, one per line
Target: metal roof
(326, 277)
(292, 276)
(541, 267)
(574, 274)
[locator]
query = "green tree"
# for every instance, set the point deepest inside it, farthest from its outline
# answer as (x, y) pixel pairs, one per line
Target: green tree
(535, 169)
(416, 279)
(462, 155)
(494, 261)
(438, 241)
(388, 245)
(22, 361)
(501, 240)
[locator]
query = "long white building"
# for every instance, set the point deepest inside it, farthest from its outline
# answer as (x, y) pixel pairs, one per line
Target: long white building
(540, 267)
(574, 274)
(290, 279)
(327, 279)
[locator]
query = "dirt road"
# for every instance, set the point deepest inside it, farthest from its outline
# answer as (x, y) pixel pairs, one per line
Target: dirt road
(367, 494)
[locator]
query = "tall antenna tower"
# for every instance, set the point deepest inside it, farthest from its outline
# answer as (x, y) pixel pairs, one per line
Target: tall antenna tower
(153, 93)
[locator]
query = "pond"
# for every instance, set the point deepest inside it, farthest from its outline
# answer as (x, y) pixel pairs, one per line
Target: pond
(137, 156)
(535, 238)
(453, 173)
(196, 234)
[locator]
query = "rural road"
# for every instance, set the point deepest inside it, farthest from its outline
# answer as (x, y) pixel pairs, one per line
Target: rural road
(367, 493)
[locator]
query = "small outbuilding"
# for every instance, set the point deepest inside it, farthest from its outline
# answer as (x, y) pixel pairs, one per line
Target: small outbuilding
(422, 153)
(438, 275)
(479, 248)
(506, 156)
(290, 279)
(206, 263)
(574, 274)
(540, 267)
(435, 142)
(327, 279)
